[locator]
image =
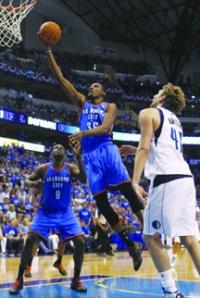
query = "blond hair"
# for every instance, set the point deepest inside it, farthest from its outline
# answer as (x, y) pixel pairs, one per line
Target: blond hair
(174, 98)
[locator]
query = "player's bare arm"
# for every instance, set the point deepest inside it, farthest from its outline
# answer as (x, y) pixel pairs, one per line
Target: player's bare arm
(125, 150)
(67, 86)
(107, 124)
(35, 180)
(149, 122)
(77, 170)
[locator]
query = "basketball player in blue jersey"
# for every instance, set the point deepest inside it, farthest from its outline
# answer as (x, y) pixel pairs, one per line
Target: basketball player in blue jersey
(101, 159)
(171, 205)
(55, 213)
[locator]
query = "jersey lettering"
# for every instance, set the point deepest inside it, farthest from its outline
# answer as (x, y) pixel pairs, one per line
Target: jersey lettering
(176, 136)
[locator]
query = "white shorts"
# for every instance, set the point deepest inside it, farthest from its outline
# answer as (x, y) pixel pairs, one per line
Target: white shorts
(171, 209)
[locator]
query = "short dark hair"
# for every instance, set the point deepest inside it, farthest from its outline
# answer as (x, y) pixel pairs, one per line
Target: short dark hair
(103, 86)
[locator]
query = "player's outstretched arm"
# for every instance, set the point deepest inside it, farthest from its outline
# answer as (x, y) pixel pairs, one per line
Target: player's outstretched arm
(67, 86)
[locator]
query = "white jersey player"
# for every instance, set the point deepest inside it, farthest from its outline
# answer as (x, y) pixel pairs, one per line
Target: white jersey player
(167, 211)
(171, 201)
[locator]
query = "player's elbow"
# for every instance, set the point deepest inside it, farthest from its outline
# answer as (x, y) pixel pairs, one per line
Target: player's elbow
(105, 129)
(26, 183)
(145, 150)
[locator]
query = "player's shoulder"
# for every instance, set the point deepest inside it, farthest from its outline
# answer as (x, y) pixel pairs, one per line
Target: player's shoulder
(111, 106)
(42, 168)
(44, 165)
(149, 113)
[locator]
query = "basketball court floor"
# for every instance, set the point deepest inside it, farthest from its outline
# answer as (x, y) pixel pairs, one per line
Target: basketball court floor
(105, 277)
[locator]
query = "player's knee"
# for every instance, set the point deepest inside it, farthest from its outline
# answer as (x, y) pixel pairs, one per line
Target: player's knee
(31, 240)
(146, 238)
(130, 194)
(79, 242)
(101, 200)
(150, 240)
(188, 241)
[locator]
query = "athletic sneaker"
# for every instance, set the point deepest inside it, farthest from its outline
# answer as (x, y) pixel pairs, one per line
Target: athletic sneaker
(27, 271)
(60, 268)
(176, 294)
(17, 287)
(136, 254)
(77, 285)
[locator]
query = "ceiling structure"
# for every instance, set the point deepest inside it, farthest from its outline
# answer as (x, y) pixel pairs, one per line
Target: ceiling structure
(170, 27)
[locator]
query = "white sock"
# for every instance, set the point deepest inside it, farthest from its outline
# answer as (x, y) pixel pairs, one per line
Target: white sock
(168, 281)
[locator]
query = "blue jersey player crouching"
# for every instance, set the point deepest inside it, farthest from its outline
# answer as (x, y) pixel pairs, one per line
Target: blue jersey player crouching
(101, 158)
(55, 213)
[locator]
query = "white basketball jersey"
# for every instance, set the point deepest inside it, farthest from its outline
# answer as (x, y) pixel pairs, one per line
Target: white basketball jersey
(165, 156)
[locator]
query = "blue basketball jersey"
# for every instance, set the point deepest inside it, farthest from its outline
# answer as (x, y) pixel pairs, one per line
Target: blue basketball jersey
(92, 116)
(56, 193)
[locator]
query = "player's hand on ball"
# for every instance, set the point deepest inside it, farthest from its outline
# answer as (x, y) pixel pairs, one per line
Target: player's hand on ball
(49, 33)
(47, 45)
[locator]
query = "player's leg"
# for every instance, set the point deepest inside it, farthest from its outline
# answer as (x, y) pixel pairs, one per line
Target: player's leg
(27, 271)
(25, 259)
(40, 228)
(117, 176)
(113, 219)
(58, 263)
(160, 217)
(104, 168)
(187, 223)
(193, 247)
(69, 228)
(129, 193)
(161, 261)
(78, 256)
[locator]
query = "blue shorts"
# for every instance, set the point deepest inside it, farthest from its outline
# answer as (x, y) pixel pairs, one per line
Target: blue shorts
(104, 168)
(65, 223)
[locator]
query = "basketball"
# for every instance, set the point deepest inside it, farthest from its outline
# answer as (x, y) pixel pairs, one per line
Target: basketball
(50, 33)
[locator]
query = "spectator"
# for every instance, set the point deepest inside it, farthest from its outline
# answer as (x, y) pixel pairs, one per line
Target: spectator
(3, 242)
(11, 212)
(14, 241)
(85, 214)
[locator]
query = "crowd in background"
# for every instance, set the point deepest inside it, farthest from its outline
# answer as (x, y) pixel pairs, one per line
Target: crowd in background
(37, 61)
(128, 91)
